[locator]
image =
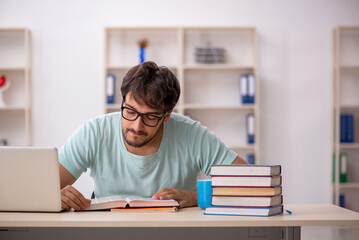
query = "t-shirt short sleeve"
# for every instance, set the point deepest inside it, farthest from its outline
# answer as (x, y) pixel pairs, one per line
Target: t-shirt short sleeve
(208, 149)
(79, 152)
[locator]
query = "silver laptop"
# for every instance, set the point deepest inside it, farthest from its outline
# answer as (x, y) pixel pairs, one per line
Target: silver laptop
(29, 179)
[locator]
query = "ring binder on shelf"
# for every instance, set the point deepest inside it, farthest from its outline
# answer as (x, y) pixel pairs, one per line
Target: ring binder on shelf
(110, 82)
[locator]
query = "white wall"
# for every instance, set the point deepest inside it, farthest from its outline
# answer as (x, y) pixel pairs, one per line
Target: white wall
(295, 70)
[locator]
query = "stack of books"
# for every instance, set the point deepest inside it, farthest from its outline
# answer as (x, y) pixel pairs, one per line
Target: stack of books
(246, 190)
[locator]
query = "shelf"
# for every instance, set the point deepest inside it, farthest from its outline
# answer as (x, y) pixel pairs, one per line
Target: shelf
(221, 107)
(349, 185)
(12, 108)
(13, 69)
(351, 107)
(349, 67)
(200, 107)
(15, 63)
(218, 67)
(349, 146)
(113, 106)
(243, 147)
(126, 68)
(206, 89)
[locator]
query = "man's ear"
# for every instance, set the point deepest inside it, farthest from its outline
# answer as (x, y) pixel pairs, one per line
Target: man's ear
(167, 116)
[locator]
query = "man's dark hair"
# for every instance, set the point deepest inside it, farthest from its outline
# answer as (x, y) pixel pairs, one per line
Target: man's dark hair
(157, 87)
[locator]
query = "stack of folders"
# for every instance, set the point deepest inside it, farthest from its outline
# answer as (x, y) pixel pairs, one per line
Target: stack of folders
(246, 190)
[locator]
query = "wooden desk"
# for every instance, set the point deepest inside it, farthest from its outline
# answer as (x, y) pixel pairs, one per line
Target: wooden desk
(188, 223)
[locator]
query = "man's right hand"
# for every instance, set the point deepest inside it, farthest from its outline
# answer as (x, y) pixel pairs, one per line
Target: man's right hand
(71, 198)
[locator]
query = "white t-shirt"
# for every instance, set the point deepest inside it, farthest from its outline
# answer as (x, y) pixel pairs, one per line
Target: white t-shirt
(187, 148)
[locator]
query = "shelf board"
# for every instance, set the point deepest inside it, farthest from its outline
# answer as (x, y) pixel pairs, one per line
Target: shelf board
(349, 67)
(349, 185)
(13, 68)
(199, 107)
(219, 28)
(218, 67)
(113, 106)
(349, 146)
(243, 147)
(127, 67)
(141, 28)
(354, 107)
(220, 107)
(12, 108)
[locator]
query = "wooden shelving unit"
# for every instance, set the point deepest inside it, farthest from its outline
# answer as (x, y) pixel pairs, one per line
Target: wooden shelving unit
(210, 92)
(346, 101)
(15, 64)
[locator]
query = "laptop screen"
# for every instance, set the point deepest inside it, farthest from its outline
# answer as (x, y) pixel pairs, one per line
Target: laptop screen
(29, 179)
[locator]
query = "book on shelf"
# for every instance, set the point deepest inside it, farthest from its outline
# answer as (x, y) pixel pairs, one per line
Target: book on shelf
(118, 201)
(346, 128)
(251, 158)
(246, 170)
(343, 167)
(250, 128)
(247, 88)
(247, 191)
(251, 87)
(111, 88)
(245, 211)
(244, 88)
(252, 201)
(246, 181)
(145, 209)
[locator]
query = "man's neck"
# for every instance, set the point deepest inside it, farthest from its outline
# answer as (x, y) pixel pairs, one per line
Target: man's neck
(148, 149)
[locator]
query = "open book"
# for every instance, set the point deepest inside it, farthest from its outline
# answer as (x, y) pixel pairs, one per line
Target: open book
(118, 201)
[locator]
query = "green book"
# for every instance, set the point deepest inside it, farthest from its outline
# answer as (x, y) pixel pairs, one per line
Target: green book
(343, 167)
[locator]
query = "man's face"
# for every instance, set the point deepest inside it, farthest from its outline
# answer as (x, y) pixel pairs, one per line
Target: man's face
(136, 133)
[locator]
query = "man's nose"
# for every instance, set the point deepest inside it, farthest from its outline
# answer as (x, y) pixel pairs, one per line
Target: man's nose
(138, 124)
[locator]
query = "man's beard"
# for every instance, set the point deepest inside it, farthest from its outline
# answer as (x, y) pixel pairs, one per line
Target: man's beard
(138, 144)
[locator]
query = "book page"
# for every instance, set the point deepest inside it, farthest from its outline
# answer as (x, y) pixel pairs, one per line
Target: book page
(107, 199)
(131, 199)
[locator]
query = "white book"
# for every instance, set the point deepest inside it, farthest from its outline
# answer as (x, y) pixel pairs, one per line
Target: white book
(247, 201)
(244, 211)
(246, 181)
(118, 201)
(246, 170)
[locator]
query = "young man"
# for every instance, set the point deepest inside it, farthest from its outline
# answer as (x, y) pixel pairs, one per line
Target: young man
(145, 150)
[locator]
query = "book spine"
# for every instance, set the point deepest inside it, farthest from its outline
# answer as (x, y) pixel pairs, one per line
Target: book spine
(110, 91)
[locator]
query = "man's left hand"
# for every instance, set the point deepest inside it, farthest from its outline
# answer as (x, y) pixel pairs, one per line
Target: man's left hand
(183, 197)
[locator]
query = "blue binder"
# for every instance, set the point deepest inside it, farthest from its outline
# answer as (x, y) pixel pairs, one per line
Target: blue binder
(342, 200)
(251, 158)
(346, 128)
(350, 128)
(343, 129)
(244, 88)
(110, 91)
(251, 88)
(250, 127)
(247, 88)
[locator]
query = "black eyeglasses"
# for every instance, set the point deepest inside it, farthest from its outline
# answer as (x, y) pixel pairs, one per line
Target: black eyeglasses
(148, 119)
